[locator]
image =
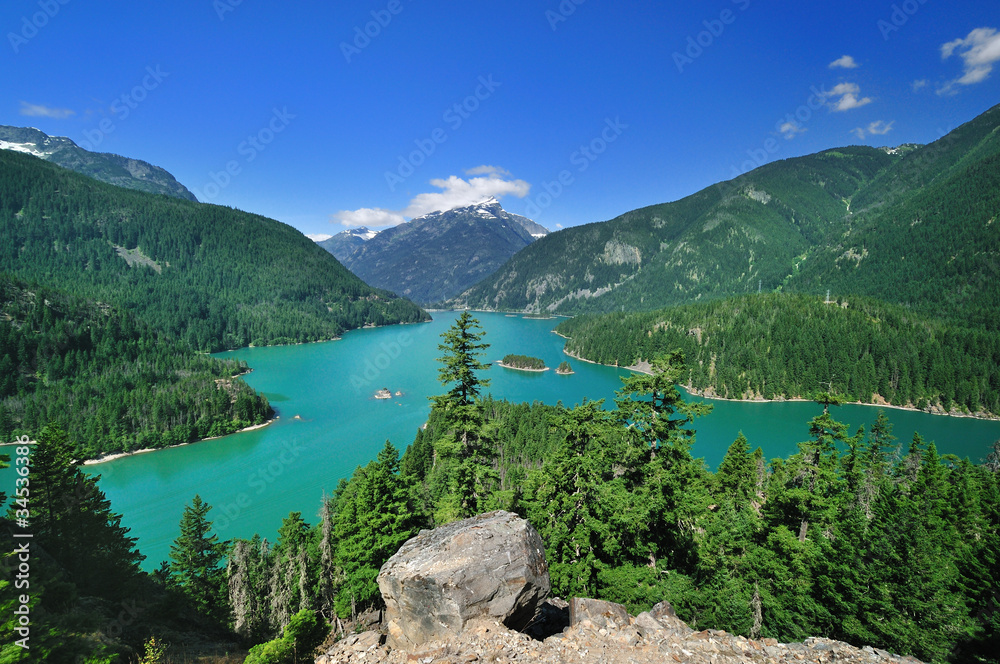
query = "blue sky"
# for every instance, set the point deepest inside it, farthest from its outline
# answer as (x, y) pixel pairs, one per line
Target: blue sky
(319, 113)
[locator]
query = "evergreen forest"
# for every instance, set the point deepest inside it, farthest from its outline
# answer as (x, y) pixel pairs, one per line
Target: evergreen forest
(858, 536)
(775, 346)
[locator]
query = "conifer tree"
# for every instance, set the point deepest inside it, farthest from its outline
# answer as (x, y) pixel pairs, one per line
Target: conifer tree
(195, 560)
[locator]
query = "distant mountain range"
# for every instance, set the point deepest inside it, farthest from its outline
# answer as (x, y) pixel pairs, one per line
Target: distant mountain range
(111, 168)
(345, 243)
(438, 255)
(915, 225)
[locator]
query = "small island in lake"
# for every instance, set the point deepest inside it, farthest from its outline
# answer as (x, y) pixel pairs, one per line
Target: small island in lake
(523, 363)
(564, 369)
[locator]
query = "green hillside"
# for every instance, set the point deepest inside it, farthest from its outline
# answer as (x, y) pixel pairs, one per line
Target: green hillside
(935, 243)
(911, 225)
(781, 346)
(726, 239)
(209, 275)
(116, 383)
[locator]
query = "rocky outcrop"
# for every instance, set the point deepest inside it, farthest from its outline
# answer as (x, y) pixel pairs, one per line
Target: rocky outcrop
(640, 640)
(453, 594)
(491, 566)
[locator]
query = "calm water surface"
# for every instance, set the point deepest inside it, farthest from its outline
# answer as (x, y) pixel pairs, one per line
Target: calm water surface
(329, 424)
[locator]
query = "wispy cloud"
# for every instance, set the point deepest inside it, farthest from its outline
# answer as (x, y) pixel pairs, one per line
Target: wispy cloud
(919, 84)
(849, 97)
(845, 62)
(979, 51)
(790, 130)
(487, 170)
(318, 237)
(877, 128)
(41, 111)
(455, 192)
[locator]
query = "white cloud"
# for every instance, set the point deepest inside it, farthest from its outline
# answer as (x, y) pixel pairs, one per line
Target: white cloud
(848, 93)
(919, 85)
(318, 237)
(979, 51)
(844, 61)
(40, 111)
(790, 130)
(487, 170)
(368, 217)
(559, 226)
(877, 128)
(455, 192)
(880, 128)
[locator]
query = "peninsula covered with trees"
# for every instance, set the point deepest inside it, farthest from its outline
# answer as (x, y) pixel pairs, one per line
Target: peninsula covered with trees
(775, 346)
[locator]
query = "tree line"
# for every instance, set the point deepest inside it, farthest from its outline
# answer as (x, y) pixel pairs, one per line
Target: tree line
(117, 383)
(781, 346)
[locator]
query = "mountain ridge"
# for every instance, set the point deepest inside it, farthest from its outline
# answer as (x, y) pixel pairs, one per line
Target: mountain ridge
(436, 255)
(104, 166)
(801, 224)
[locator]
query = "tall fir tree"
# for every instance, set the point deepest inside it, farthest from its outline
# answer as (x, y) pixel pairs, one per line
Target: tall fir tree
(196, 556)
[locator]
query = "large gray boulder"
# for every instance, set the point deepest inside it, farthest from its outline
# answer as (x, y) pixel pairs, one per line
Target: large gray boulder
(490, 566)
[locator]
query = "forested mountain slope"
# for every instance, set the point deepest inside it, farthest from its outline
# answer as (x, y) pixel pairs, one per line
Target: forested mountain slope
(116, 383)
(782, 345)
(914, 225)
(726, 239)
(209, 275)
(925, 232)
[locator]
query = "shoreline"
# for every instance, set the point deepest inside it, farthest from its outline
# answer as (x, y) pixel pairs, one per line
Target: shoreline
(121, 455)
(642, 367)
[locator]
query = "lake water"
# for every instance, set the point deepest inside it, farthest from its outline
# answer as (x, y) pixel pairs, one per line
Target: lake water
(329, 424)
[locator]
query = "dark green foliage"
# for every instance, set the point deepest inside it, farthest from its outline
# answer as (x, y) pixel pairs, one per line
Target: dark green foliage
(564, 368)
(303, 634)
(848, 539)
(195, 557)
(115, 383)
(214, 277)
(372, 516)
(72, 519)
(773, 346)
(523, 362)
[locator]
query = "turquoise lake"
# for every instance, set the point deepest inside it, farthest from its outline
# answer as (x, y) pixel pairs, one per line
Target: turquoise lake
(329, 423)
